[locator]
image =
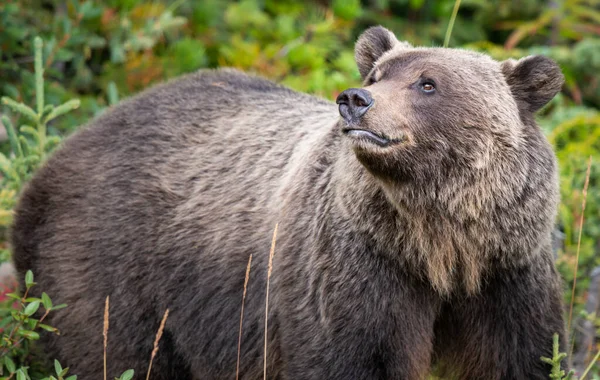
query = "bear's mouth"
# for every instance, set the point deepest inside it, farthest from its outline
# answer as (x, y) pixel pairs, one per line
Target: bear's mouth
(371, 136)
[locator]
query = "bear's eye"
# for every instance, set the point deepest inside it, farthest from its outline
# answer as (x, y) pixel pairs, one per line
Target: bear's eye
(428, 87)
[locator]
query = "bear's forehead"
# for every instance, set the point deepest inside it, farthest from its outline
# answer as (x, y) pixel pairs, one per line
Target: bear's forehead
(440, 60)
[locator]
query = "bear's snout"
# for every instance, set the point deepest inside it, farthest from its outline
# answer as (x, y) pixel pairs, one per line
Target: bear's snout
(353, 103)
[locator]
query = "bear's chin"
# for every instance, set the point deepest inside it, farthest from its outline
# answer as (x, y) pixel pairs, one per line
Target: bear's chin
(390, 163)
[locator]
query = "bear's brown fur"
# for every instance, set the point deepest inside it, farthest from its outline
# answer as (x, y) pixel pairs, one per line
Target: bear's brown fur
(432, 250)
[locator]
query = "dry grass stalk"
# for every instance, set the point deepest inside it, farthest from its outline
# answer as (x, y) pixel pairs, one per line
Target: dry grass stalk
(585, 188)
(156, 340)
(589, 368)
(237, 369)
(267, 298)
(105, 332)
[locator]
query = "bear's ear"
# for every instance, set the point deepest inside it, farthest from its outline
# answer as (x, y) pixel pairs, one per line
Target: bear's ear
(533, 80)
(371, 45)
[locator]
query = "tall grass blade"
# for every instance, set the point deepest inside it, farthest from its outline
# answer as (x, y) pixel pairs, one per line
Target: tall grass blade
(451, 23)
(589, 368)
(237, 369)
(105, 332)
(159, 333)
(267, 297)
(585, 188)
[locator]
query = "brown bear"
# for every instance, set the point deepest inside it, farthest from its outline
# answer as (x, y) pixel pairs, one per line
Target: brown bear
(414, 229)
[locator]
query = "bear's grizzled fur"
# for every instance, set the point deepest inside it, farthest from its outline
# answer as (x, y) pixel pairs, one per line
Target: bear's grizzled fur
(414, 231)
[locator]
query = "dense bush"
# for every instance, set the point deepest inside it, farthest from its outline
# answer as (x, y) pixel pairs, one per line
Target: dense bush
(100, 51)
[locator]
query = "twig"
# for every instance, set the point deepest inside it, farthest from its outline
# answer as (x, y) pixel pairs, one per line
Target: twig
(267, 297)
(105, 332)
(156, 340)
(237, 370)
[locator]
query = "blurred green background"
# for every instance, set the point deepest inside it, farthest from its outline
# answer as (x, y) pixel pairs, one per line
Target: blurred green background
(101, 51)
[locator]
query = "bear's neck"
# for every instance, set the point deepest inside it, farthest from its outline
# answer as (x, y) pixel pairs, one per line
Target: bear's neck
(449, 234)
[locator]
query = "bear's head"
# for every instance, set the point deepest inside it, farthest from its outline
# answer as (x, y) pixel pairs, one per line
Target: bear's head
(434, 110)
(451, 137)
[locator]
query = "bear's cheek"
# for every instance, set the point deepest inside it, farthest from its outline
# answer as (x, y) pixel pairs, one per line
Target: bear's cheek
(459, 133)
(434, 137)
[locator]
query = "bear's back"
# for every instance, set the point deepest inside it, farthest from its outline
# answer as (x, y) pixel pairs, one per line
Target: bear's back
(194, 157)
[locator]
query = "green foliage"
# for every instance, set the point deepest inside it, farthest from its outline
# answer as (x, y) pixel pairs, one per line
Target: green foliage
(61, 373)
(557, 358)
(30, 144)
(575, 134)
(21, 328)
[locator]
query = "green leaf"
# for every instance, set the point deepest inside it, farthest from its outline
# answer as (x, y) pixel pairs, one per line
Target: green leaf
(32, 308)
(30, 131)
(46, 301)
(25, 145)
(61, 306)
(31, 335)
(63, 109)
(47, 109)
(74, 377)
(127, 375)
(22, 374)
(29, 279)
(30, 323)
(64, 372)
(57, 367)
(20, 108)
(112, 93)
(64, 55)
(47, 328)
(13, 296)
(16, 315)
(12, 137)
(51, 142)
(5, 321)
(10, 365)
(32, 160)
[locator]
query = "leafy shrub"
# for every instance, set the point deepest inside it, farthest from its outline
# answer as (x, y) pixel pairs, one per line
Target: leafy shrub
(20, 328)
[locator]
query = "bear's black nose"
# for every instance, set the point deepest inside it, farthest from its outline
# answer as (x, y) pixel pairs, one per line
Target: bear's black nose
(354, 102)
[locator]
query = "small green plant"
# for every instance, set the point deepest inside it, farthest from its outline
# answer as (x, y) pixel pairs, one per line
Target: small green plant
(20, 329)
(60, 373)
(127, 375)
(30, 144)
(557, 357)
